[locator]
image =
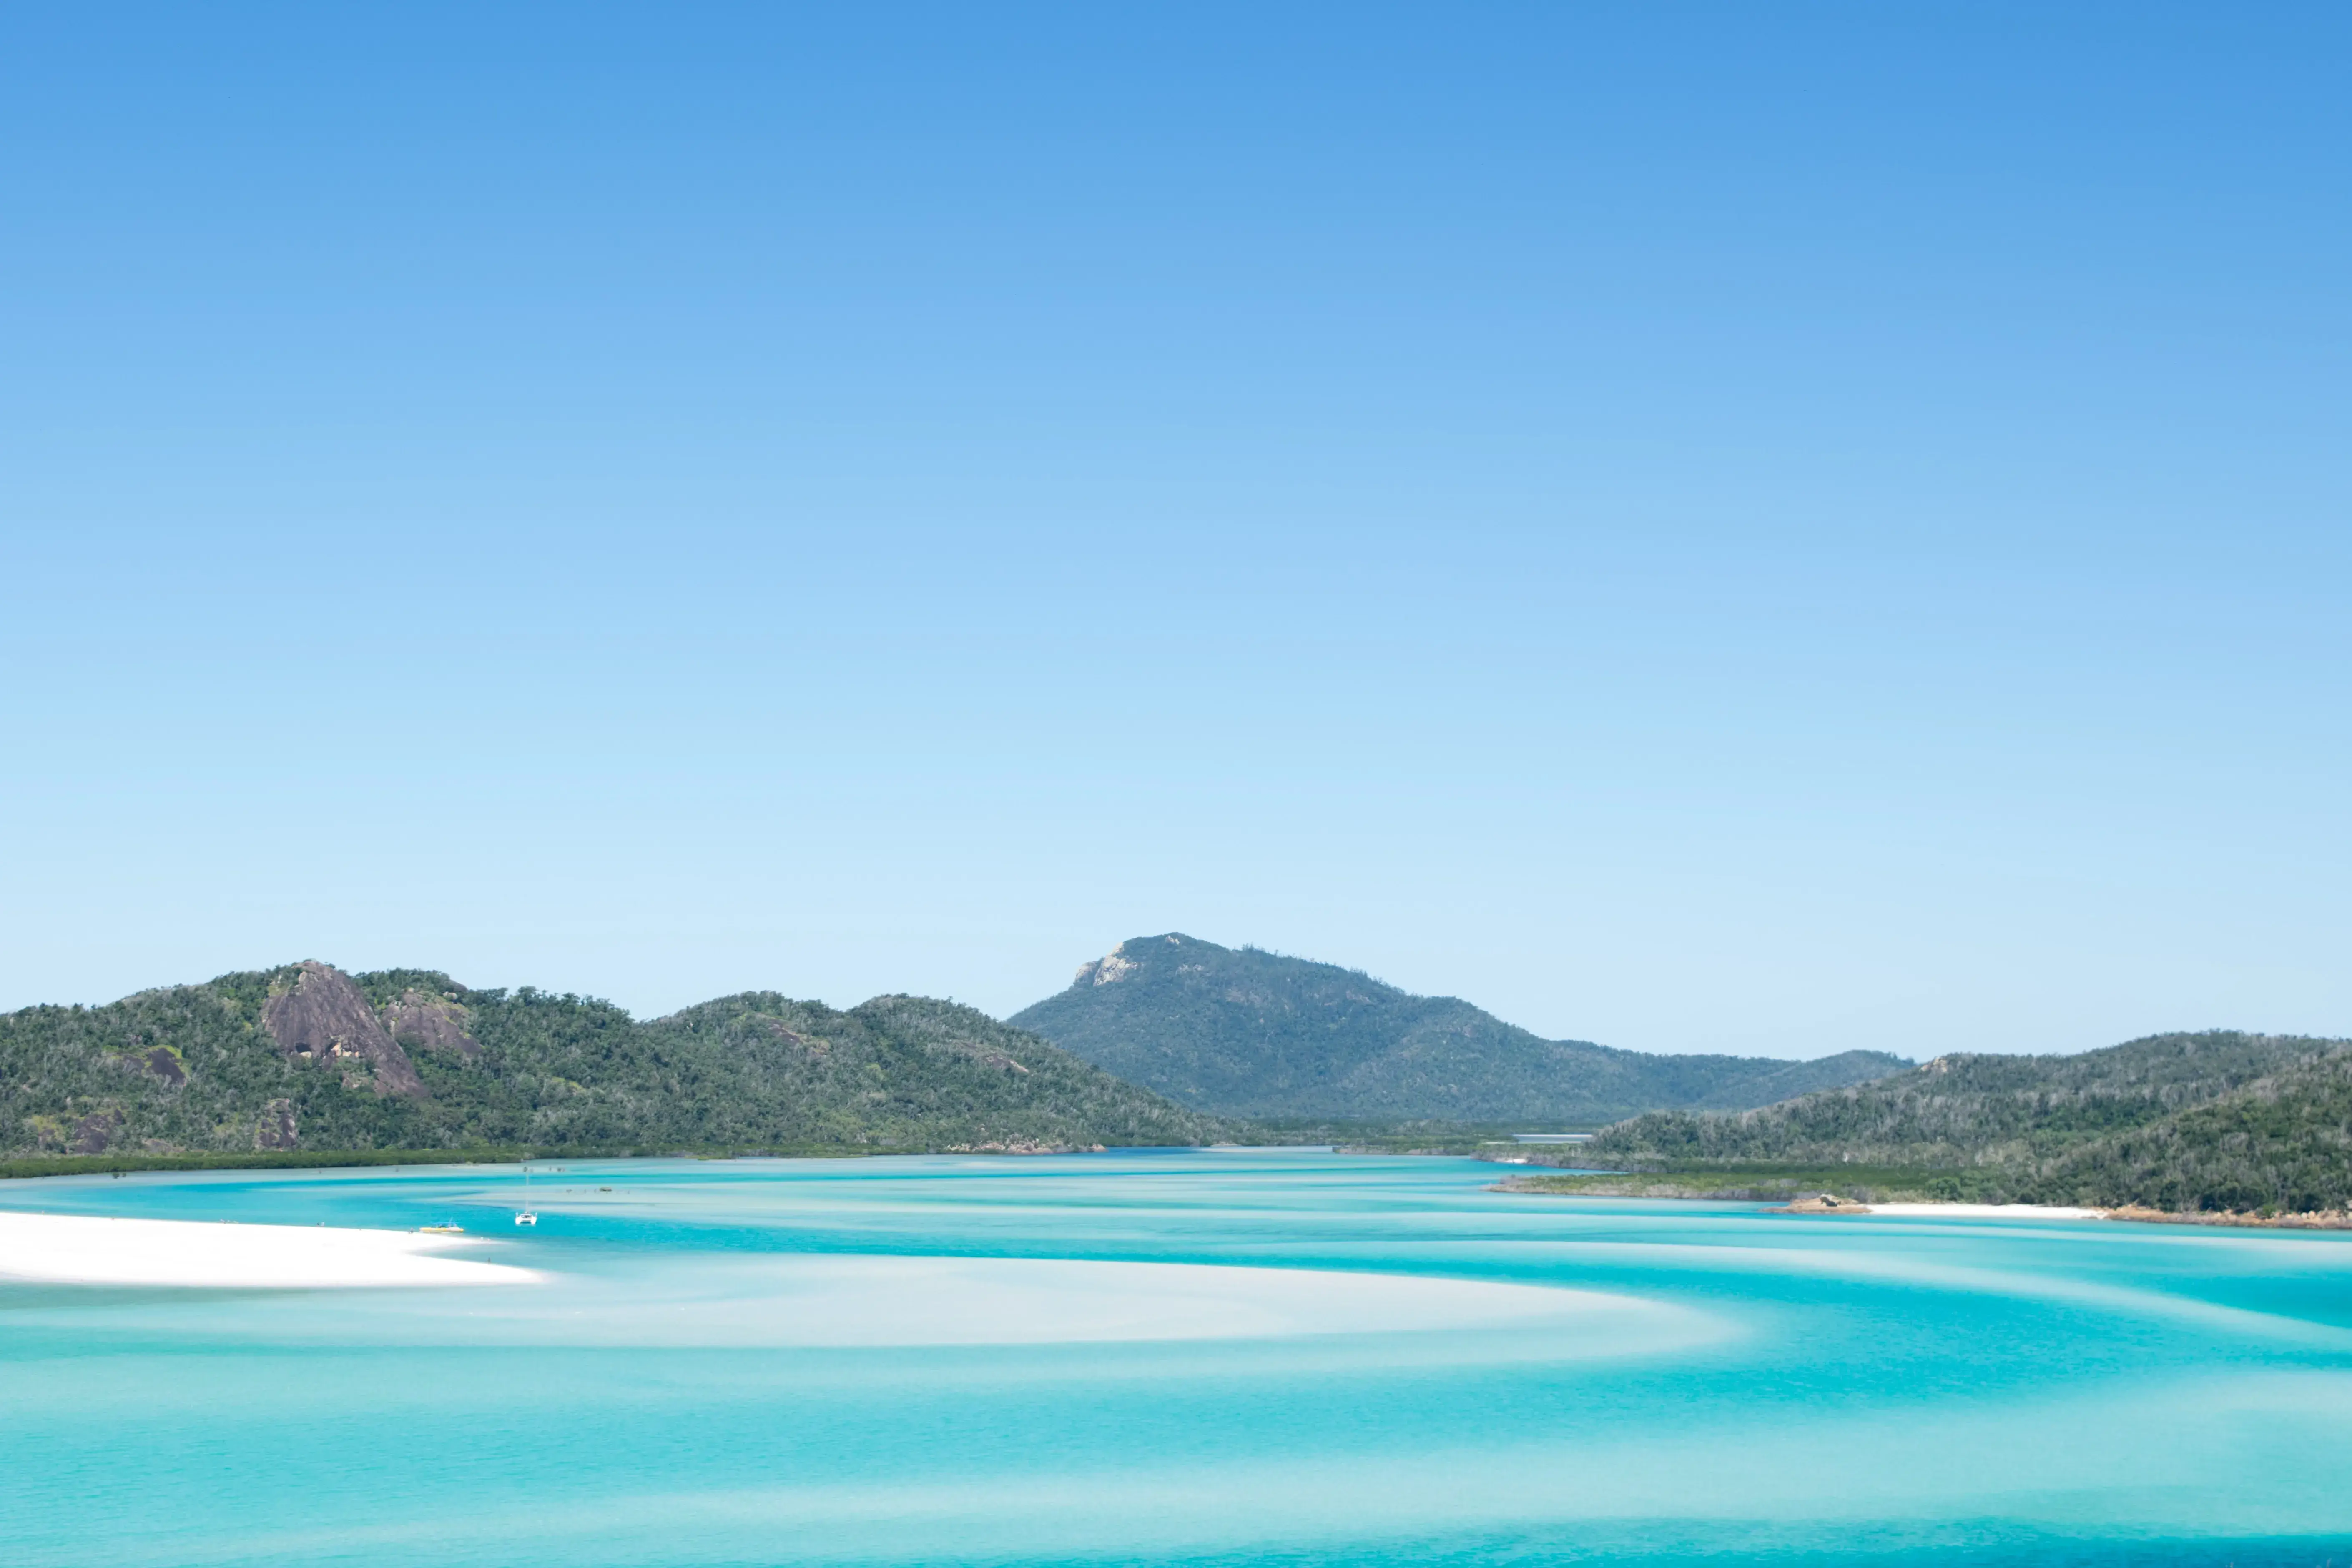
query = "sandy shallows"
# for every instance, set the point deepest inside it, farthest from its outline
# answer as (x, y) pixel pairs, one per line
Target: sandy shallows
(81, 1250)
(1987, 1211)
(1827, 1204)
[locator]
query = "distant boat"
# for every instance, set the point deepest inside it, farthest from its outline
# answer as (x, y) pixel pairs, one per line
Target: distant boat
(440, 1230)
(523, 1214)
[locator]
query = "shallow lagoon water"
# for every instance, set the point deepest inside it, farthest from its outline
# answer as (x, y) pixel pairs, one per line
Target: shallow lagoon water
(1202, 1357)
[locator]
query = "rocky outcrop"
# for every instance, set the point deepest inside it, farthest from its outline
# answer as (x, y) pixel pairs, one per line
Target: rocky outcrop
(93, 1132)
(1109, 969)
(275, 1128)
(1823, 1203)
(323, 1018)
(431, 1023)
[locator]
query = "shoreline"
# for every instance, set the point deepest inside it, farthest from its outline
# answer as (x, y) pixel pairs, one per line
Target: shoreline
(88, 1249)
(1671, 1190)
(2319, 1219)
(1931, 1210)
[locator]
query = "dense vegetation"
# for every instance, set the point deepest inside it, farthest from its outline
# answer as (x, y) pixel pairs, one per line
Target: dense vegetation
(272, 1159)
(305, 1057)
(2218, 1122)
(2282, 1144)
(1247, 1033)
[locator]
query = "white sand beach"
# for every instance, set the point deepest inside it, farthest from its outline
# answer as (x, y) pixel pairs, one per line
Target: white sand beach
(84, 1250)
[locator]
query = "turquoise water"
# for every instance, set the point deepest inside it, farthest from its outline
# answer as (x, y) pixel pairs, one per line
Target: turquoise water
(1195, 1358)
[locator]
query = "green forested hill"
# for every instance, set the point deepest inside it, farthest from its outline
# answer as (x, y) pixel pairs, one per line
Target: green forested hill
(2283, 1142)
(306, 1057)
(1247, 1033)
(2217, 1121)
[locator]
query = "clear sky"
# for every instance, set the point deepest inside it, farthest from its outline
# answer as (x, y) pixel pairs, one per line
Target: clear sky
(1749, 528)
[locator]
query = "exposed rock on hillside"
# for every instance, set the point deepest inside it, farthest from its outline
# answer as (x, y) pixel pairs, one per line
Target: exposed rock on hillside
(275, 1128)
(92, 1133)
(431, 1023)
(323, 1018)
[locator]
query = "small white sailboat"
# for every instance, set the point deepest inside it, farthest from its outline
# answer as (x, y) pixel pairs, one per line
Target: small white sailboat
(524, 1215)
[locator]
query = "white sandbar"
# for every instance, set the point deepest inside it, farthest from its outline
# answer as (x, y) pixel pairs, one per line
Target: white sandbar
(898, 1301)
(82, 1250)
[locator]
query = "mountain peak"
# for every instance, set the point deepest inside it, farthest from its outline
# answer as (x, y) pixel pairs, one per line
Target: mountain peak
(1244, 1032)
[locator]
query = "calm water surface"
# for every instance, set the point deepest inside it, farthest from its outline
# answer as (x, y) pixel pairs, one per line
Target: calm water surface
(1193, 1358)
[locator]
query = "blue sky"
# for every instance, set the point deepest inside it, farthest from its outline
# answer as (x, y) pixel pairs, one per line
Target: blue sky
(1706, 528)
